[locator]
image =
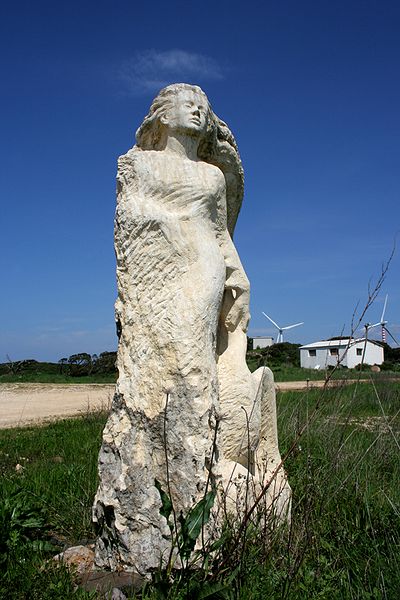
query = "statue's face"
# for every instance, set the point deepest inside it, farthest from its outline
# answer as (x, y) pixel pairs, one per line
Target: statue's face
(188, 113)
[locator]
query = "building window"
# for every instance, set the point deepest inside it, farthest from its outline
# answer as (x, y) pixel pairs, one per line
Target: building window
(312, 353)
(334, 351)
(359, 351)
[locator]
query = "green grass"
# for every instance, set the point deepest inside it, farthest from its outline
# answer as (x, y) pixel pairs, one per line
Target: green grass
(59, 469)
(345, 474)
(344, 542)
(284, 365)
(43, 377)
(281, 373)
(57, 481)
(284, 372)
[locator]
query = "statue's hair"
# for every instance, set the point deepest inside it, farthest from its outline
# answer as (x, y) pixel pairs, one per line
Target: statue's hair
(217, 146)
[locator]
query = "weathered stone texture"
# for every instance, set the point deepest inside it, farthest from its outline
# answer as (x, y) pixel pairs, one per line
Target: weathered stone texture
(182, 315)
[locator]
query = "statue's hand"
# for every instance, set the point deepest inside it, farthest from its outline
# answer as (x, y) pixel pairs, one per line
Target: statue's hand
(236, 311)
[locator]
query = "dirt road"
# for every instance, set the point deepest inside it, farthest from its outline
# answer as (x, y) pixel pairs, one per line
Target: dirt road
(30, 403)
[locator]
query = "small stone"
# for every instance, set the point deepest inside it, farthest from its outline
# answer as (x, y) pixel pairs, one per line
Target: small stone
(116, 594)
(19, 468)
(78, 557)
(104, 581)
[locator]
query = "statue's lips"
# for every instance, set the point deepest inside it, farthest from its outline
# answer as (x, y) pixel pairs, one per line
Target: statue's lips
(195, 121)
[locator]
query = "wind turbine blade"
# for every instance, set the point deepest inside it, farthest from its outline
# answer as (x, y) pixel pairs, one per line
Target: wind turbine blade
(384, 308)
(394, 339)
(290, 326)
(374, 325)
(273, 322)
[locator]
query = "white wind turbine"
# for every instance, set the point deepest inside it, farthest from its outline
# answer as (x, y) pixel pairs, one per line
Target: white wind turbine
(382, 323)
(369, 326)
(279, 339)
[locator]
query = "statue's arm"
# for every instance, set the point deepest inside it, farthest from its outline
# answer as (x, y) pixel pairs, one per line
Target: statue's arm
(235, 310)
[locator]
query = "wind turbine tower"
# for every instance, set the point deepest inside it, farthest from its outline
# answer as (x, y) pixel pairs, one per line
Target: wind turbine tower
(382, 323)
(279, 339)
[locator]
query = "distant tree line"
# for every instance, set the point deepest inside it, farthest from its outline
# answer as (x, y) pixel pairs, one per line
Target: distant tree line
(84, 364)
(392, 358)
(78, 365)
(274, 356)
(15, 367)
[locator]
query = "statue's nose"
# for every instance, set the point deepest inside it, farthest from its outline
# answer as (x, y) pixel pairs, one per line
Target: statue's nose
(196, 111)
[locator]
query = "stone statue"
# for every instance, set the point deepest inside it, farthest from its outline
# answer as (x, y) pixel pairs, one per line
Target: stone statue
(187, 412)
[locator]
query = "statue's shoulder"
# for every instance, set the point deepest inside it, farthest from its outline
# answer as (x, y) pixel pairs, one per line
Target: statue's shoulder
(212, 169)
(138, 158)
(213, 173)
(131, 157)
(135, 162)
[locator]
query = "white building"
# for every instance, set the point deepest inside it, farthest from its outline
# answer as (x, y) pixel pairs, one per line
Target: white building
(347, 352)
(262, 342)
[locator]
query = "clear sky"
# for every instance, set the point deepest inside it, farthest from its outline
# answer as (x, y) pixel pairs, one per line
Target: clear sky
(311, 91)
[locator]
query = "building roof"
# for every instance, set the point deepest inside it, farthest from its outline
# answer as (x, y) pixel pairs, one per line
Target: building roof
(342, 343)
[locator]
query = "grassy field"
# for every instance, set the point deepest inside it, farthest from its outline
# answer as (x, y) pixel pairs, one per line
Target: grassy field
(344, 540)
(283, 359)
(45, 503)
(42, 377)
(345, 473)
(282, 372)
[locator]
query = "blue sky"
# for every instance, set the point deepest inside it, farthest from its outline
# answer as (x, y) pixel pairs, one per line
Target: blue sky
(312, 93)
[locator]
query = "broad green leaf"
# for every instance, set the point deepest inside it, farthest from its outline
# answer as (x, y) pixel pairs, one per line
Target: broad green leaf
(215, 591)
(199, 515)
(191, 524)
(166, 503)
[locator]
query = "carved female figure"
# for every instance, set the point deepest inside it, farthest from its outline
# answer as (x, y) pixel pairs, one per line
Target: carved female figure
(182, 313)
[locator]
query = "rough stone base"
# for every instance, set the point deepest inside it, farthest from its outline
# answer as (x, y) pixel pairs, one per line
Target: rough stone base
(80, 561)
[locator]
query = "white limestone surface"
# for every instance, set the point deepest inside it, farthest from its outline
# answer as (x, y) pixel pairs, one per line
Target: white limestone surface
(187, 412)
